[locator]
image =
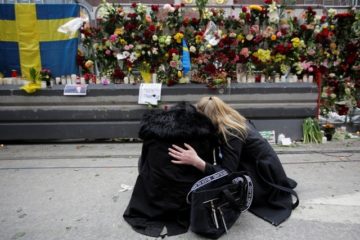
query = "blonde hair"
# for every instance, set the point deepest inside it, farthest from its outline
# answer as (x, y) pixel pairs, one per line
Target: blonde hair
(228, 121)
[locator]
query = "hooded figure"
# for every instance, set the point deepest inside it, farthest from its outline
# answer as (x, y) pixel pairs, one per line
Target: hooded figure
(159, 196)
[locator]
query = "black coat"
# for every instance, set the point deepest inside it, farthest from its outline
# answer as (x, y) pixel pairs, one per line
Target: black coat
(256, 156)
(159, 196)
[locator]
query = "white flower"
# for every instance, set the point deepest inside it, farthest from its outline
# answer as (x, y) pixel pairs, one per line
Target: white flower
(133, 57)
(123, 55)
(273, 17)
(154, 38)
(192, 49)
(332, 12)
(272, 7)
(155, 51)
(168, 40)
(317, 29)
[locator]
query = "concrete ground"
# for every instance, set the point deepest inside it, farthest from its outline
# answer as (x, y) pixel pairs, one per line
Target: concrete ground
(73, 191)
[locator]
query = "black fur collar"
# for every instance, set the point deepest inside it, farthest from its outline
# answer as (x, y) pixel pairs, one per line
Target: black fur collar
(181, 122)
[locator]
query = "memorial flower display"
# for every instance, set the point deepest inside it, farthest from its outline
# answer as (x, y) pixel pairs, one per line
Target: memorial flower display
(267, 38)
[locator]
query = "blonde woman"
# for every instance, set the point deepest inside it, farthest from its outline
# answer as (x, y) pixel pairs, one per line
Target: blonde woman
(242, 148)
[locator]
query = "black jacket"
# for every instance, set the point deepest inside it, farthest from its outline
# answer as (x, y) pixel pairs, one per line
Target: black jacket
(272, 188)
(159, 196)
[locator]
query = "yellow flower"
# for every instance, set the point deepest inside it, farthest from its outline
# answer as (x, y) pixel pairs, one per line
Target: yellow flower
(297, 43)
(240, 37)
(119, 31)
(263, 55)
(89, 64)
(279, 57)
(273, 37)
(179, 74)
(332, 27)
(198, 39)
(178, 37)
(255, 7)
(122, 41)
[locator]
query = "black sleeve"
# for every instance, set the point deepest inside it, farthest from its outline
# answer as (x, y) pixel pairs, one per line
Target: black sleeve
(230, 158)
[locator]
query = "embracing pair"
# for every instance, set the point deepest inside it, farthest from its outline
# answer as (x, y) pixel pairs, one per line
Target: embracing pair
(188, 143)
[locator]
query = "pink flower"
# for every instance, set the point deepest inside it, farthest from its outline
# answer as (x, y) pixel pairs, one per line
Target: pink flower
(278, 34)
(173, 64)
(107, 52)
(244, 52)
(113, 38)
(254, 29)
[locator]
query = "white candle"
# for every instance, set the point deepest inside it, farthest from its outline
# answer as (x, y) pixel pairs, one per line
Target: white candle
(311, 79)
(154, 77)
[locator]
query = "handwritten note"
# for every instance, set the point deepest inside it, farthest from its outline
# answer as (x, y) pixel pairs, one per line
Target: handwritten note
(149, 93)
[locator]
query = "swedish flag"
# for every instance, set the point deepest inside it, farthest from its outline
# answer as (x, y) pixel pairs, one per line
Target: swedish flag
(185, 58)
(29, 38)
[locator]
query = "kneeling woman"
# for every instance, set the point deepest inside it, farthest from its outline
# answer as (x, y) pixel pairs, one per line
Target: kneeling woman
(244, 149)
(158, 201)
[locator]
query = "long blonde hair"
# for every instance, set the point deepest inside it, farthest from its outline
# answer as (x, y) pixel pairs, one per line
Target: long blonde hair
(228, 121)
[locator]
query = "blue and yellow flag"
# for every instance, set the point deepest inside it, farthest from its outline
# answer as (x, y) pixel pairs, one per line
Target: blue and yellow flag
(29, 38)
(185, 58)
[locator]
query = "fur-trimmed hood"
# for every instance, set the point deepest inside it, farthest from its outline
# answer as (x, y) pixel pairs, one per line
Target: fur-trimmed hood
(181, 122)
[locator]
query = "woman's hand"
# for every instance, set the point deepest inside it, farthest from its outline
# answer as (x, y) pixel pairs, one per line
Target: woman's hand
(186, 156)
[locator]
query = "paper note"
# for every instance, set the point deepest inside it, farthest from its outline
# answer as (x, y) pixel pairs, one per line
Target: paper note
(149, 93)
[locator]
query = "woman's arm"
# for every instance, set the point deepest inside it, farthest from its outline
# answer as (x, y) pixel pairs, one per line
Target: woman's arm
(186, 156)
(229, 161)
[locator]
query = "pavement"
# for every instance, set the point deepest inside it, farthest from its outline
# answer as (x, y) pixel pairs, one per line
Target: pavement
(75, 191)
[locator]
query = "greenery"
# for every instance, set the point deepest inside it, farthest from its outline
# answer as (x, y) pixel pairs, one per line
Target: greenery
(311, 131)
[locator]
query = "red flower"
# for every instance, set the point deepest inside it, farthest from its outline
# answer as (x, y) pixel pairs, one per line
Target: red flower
(323, 19)
(268, 1)
(118, 74)
(248, 17)
(195, 22)
(343, 15)
(258, 39)
(134, 5)
(244, 9)
(148, 34)
(350, 59)
(130, 27)
(152, 28)
(132, 15)
(172, 51)
(283, 49)
(155, 8)
(303, 27)
(310, 11)
(283, 31)
(210, 69)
